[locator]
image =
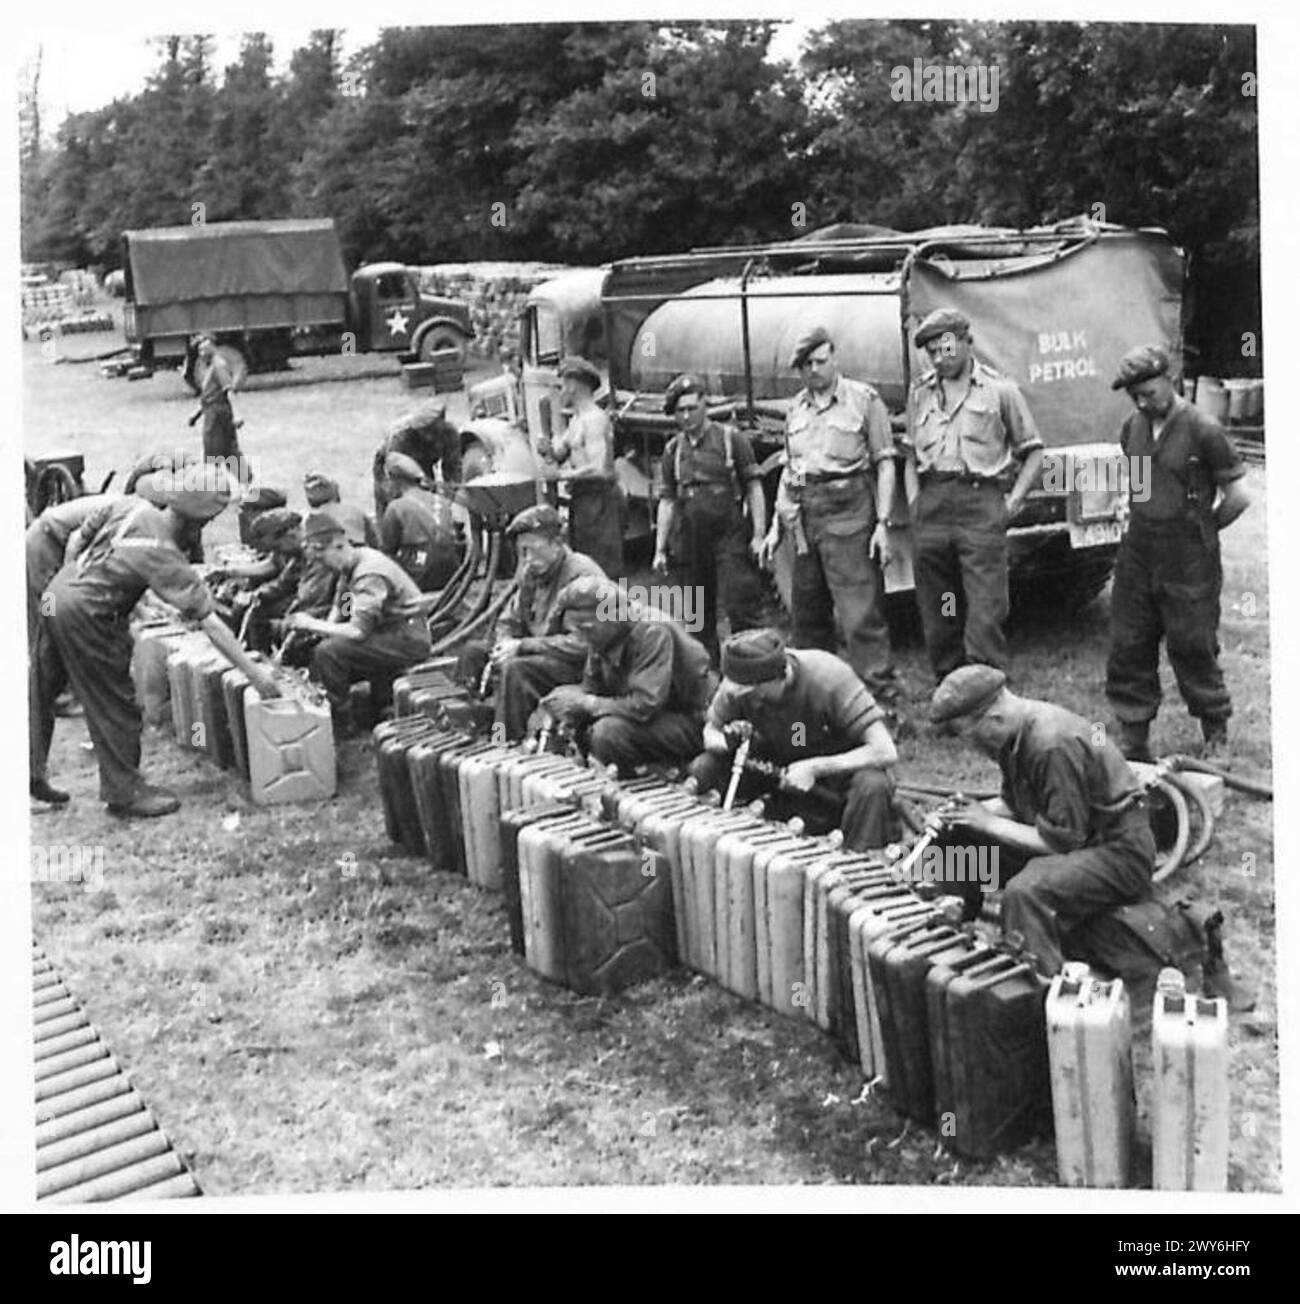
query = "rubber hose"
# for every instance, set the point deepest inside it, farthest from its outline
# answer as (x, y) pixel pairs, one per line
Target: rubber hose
(1167, 862)
(926, 790)
(450, 597)
(488, 614)
(481, 602)
(1251, 787)
(1196, 795)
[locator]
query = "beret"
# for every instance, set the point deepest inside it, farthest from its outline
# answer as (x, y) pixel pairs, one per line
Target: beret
(160, 459)
(146, 486)
(586, 593)
(318, 482)
(940, 322)
(582, 370)
(321, 525)
(197, 491)
(754, 656)
(271, 525)
(263, 498)
(401, 467)
(684, 384)
(807, 342)
(541, 519)
(969, 690)
(1145, 362)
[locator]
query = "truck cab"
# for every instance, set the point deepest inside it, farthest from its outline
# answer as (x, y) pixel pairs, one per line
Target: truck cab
(388, 312)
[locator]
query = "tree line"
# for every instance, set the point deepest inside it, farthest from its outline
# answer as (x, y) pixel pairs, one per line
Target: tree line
(583, 142)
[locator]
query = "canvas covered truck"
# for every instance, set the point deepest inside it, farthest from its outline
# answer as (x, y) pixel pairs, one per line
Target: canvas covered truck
(270, 291)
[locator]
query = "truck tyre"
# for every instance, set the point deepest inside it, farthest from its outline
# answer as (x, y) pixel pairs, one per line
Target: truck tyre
(438, 338)
(55, 485)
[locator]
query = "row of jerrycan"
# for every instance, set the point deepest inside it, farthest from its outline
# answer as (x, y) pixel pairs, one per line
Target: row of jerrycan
(284, 747)
(1090, 1047)
(957, 1030)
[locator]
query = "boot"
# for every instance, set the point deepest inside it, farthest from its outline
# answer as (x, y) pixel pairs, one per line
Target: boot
(40, 789)
(148, 803)
(1214, 733)
(1217, 979)
(1134, 740)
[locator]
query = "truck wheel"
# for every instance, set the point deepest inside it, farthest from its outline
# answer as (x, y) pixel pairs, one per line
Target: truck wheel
(438, 338)
(55, 485)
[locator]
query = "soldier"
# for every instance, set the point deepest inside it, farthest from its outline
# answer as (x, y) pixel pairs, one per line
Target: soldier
(709, 472)
(88, 642)
(834, 497)
(272, 587)
(645, 686)
(375, 630)
(1071, 812)
(967, 427)
(416, 530)
(534, 651)
(1168, 576)
(323, 493)
(585, 454)
(220, 442)
(426, 436)
(808, 713)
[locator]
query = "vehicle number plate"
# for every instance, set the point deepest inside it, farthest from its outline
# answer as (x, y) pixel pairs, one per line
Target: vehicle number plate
(1094, 534)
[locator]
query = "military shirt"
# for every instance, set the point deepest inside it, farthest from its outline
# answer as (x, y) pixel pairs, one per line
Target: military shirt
(825, 710)
(215, 390)
(533, 615)
(688, 461)
(62, 520)
(133, 551)
(647, 672)
(427, 437)
(1192, 458)
(413, 521)
(375, 595)
(848, 433)
(1058, 777)
(988, 429)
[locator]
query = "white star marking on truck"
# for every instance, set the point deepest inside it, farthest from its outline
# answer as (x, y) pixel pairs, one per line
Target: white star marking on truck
(397, 322)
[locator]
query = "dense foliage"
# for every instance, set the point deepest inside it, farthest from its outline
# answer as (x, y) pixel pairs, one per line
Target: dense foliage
(584, 142)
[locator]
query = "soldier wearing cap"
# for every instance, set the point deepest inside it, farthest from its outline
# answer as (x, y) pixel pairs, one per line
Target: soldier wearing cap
(645, 686)
(534, 652)
(220, 442)
(426, 436)
(190, 541)
(87, 641)
(322, 492)
(808, 713)
(969, 433)
(375, 629)
(416, 530)
(834, 498)
(1070, 824)
(277, 535)
(1168, 576)
(584, 454)
(709, 475)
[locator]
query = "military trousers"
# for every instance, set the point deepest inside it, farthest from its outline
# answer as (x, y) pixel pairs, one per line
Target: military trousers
(220, 440)
(715, 559)
(959, 564)
(837, 580)
(669, 738)
(379, 658)
(596, 519)
(860, 805)
(524, 680)
(1168, 582)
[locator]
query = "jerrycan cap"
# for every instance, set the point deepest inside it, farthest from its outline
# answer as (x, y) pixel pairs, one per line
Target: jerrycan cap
(1171, 982)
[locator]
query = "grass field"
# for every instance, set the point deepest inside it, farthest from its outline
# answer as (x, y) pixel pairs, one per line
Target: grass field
(308, 1011)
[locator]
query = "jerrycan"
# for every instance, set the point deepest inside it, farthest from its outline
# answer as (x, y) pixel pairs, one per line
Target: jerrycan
(1189, 1103)
(1090, 1053)
(180, 661)
(154, 643)
(290, 742)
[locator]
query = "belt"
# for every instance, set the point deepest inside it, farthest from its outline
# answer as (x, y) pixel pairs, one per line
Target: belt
(799, 479)
(957, 477)
(689, 491)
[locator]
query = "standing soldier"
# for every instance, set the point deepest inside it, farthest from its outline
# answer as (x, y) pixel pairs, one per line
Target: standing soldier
(88, 641)
(416, 530)
(585, 454)
(709, 472)
(834, 498)
(426, 436)
(375, 630)
(1168, 576)
(967, 427)
(220, 443)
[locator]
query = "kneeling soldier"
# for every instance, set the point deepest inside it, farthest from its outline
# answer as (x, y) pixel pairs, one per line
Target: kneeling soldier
(646, 684)
(1071, 811)
(375, 630)
(808, 713)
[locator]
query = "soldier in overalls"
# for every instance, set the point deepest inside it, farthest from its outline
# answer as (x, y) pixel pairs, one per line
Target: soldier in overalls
(834, 498)
(1168, 576)
(709, 472)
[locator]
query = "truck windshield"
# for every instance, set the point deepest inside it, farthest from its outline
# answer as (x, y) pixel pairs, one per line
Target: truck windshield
(545, 342)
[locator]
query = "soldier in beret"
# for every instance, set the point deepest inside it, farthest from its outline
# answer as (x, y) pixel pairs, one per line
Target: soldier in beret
(375, 629)
(709, 475)
(969, 435)
(645, 685)
(1070, 825)
(585, 457)
(834, 498)
(1168, 576)
(87, 642)
(321, 492)
(534, 650)
(426, 436)
(807, 712)
(416, 529)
